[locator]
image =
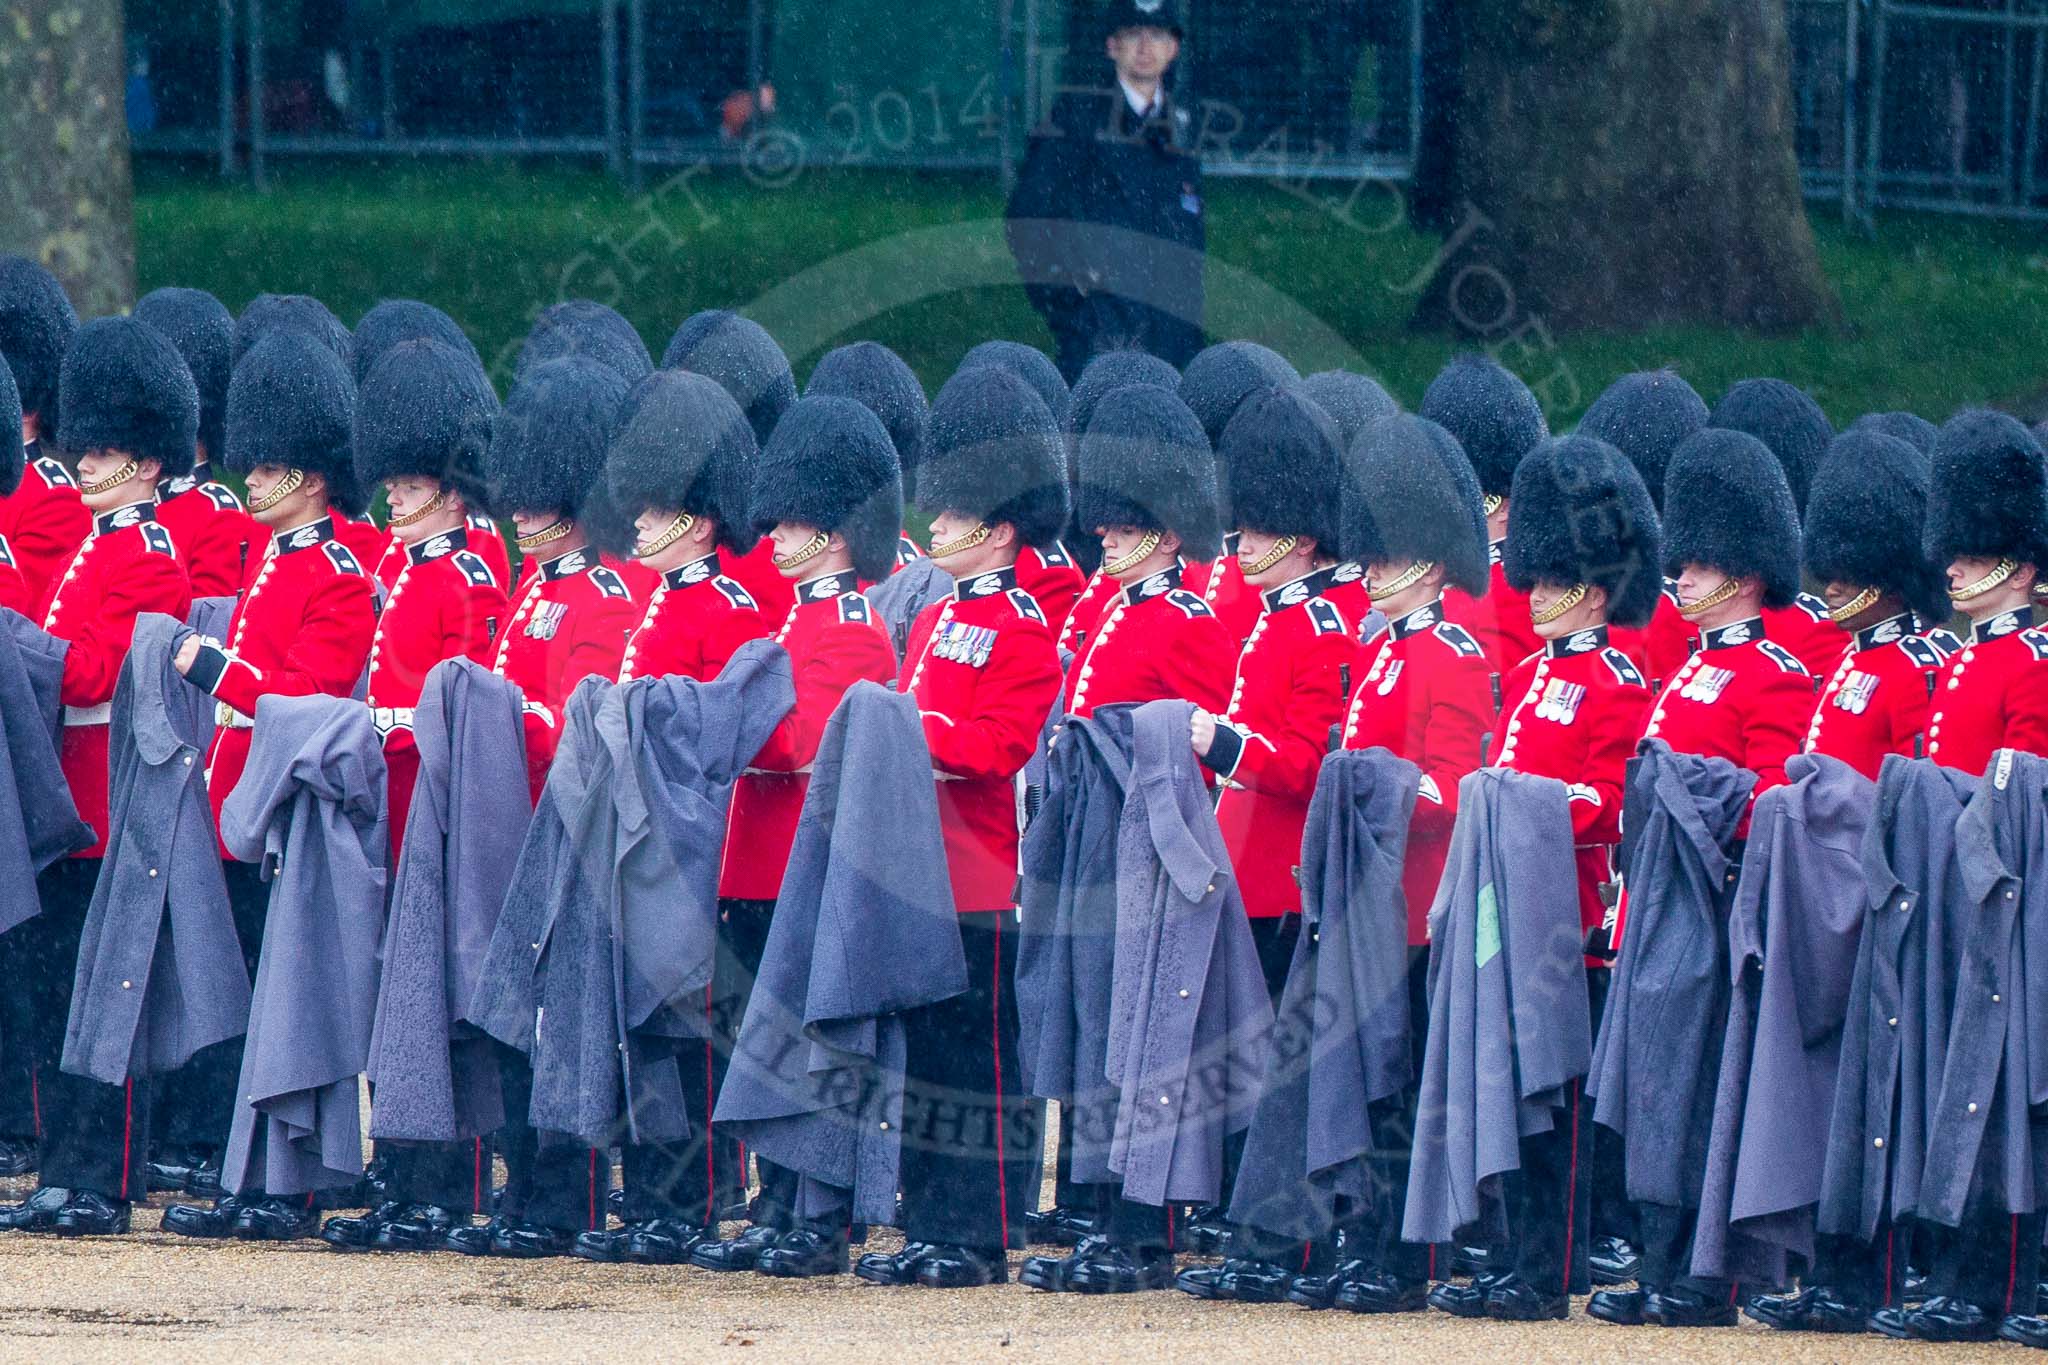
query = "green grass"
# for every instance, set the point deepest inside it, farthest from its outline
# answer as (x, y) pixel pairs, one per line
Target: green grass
(1939, 312)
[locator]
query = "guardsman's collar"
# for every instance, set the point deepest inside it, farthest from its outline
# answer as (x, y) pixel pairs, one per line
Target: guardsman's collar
(1578, 642)
(134, 514)
(1296, 591)
(304, 537)
(2004, 624)
(433, 547)
(696, 571)
(827, 587)
(202, 472)
(1156, 585)
(991, 584)
(1734, 633)
(568, 563)
(1428, 616)
(1889, 631)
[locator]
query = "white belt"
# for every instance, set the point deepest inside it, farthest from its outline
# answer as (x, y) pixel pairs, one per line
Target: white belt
(226, 717)
(103, 714)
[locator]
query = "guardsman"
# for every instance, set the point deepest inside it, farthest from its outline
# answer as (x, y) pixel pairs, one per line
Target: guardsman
(220, 541)
(1497, 421)
(877, 378)
(985, 673)
(1865, 518)
(1414, 516)
(302, 628)
(1792, 425)
(1216, 384)
(1049, 573)
(131, 412)
(829, 492)
(41, 518)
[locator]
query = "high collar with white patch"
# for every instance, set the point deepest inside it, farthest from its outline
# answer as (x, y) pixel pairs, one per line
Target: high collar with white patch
(1744, 632)
(828, 587)
(994, 583)
(1578, 642)
(567, 564)
(434, 547)
(1889, 631)
(696, 571)
(1428, 616)
(1153, 585)
(134, 514)
(1999, 626)
(1296, 591)
(304, 537)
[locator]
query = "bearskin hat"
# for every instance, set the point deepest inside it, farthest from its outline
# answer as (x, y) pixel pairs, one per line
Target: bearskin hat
(295, 312)
(291, 402)
(1280, 454)
(996, 454)
(830, 464)
(1111, 370)
(1728, 506)
(1783, 418)
(1989, 492)
(588, 328)
(1579, 513)
(1492, 413)
(1146, 463)
(739, 354)
(203, 330)
(682, 443)
(875, 377)
(1866, 517)
(37, 322)
(426, 412)
(548, 442)
(13, 457)
(1646, 416)
(1910, 427)
(1409, 493)
(125, 387)
(396, 320)
(1224, 375)
(1351, 400)
(1029, 364)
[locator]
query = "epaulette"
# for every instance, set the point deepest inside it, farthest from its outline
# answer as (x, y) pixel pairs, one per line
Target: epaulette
(734, 593)
(343, 559)
(1191, 605)
(1026, 604)
(474, 569)
(54, 473)
(222, 497)
(1622, 667)
(853, 606)
(1814, 607)
(1459, 639)
(1782, 657)
(156, 538)
(1325, 617)
(1923, 653)
(1943, 639)
(2037, 640)
(1056, 556)
(608, 582)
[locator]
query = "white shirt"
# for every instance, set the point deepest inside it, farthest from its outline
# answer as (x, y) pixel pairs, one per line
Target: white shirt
(1140, 105)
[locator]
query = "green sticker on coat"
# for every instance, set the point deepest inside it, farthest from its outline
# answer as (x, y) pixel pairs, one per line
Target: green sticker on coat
(1488, 942)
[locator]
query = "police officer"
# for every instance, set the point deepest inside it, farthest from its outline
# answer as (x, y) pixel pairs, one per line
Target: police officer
(1106, 221)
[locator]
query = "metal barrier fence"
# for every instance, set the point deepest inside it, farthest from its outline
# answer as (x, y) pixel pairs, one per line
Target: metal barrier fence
(1934, 104)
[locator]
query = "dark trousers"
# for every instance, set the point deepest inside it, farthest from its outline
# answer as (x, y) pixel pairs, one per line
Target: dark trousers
(1992, 1260)
(1613, 1214)
(93, 1136)
(744, 925)
(196, 1104)
(1867, 1274)
(557, 1185)
(1667, 1235)
(452, 1175)
(969, 1136)
(1550, 1201)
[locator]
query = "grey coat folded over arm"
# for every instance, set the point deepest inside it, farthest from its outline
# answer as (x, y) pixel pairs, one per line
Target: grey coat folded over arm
(38, 820)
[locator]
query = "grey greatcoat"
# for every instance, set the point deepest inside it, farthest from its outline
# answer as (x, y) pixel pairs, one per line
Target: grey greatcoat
(1509, 1029)
(1658, 1054)
(1066, 945)
(898, 598)
(1986, 1137)
(1341, 1039)
(436, 1078)
(160, 972)
(864, 930)
(1802, 894)
(1895, 1025)
(38, 821)
(1190, 1019)
(310, 812)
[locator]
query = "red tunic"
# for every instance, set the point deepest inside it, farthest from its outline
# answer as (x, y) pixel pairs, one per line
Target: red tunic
(756, 572)
(1661, 648)
(1743, 697)
(1156, 639)
(1427, 696)
(1086, 613)
(302, 629)
(1270, 741)
(1876, 701)
(219, 540)
(985, 673)
(570, 623)
(42, 521)
(640, 580)
(833, 641)
(127, 565)
(1809, 631)
(1993, 695)
(1053, 580)
(694, 621)
(1499, 621)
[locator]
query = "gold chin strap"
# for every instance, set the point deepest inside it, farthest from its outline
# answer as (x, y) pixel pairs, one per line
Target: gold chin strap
(2004, 569)
(1492, 503)
(279, 491)
(425, 510)
(113, 480)
(1700, 606)
(812, 548)
(1854, 607)
(1138, 555)
(1571, 597)
(1282, 548)
(1407, 578)
(670, 534)
(959, 543)
(548, 534)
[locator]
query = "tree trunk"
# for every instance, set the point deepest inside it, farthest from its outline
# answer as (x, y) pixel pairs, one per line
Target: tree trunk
(69, 199)
(1622, 164)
